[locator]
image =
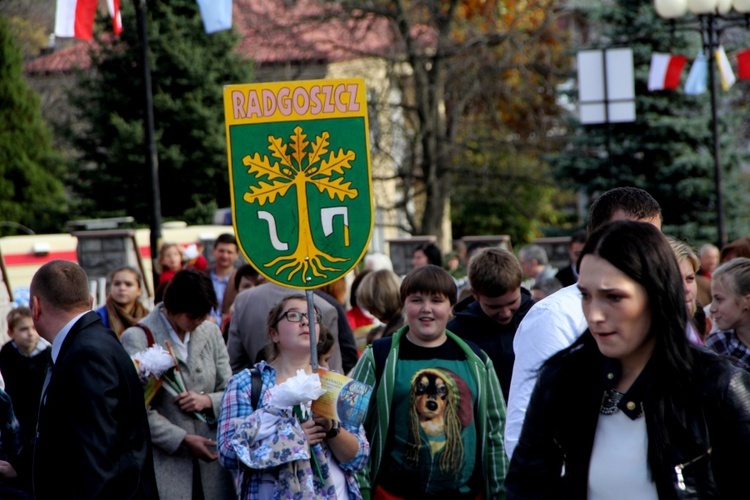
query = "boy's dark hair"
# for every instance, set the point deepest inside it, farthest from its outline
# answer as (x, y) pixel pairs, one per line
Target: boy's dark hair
(16, 315)
(635, 202)
(432, 252)
(190, 292)
(429, 279)
(242, 271)
(325, 342)
(225, 238)
(494, 272)
(579, 237)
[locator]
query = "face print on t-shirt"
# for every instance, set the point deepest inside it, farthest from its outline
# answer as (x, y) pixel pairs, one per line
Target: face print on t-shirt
(440, 408)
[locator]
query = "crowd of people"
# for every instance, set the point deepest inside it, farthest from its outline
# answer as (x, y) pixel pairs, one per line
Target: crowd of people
(622, 375)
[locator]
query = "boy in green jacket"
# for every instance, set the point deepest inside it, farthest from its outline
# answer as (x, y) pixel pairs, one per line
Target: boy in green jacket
(435, 423)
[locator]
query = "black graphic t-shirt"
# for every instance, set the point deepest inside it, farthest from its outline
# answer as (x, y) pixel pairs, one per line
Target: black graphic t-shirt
(432, 437)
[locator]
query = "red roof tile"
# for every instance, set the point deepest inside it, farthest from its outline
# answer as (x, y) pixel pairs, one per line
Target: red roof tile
(60, 61)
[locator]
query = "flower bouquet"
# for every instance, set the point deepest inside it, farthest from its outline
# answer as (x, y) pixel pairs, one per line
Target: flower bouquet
(157, 367)
(151, 365)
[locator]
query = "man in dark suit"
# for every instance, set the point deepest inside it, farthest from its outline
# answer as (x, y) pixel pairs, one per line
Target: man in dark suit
(93, 436)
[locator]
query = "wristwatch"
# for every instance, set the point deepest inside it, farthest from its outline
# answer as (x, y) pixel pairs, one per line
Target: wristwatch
(334, 431)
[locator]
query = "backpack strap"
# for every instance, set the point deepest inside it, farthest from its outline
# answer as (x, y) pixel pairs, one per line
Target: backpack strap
(255, 387)
(380, 349)
(149, 334)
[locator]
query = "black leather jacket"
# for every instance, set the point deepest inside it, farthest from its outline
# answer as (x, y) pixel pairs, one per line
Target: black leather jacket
(709, 458)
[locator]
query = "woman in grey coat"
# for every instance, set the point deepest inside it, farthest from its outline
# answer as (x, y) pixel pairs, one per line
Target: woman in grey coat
(184, 443)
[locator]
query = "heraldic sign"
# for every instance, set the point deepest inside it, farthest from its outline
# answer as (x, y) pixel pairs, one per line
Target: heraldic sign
(300, 177)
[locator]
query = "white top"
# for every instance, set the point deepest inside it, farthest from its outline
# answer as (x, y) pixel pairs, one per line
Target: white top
(619, 460)
(179, 347)
(550, 326)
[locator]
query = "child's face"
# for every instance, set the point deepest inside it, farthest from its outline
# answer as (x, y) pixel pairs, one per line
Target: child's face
(728, 311)
(24, 335)
(324, 358)
(427, 314)
(172, 259)
(126, 288)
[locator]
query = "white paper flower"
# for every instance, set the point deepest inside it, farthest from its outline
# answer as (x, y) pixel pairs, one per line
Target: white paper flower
(192, 252)
(153, 361)
(299, 389)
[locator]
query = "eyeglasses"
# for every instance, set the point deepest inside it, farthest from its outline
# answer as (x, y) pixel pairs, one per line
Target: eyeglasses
(295, 317)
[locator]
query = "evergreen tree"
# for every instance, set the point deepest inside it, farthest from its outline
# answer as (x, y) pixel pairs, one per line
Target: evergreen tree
(31, 179)
(189, 69)
(668, 149)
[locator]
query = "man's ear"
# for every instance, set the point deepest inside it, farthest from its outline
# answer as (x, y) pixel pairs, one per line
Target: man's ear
(35, 307)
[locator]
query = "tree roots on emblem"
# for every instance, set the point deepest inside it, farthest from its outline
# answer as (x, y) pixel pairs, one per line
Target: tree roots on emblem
(305, 262)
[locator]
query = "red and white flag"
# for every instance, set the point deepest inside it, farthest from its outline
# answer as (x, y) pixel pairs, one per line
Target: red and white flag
(75, 18)
(113, 6)
(743, 65)
(665, 71)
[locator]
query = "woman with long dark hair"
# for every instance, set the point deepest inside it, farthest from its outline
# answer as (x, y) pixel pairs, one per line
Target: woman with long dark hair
(631, 409)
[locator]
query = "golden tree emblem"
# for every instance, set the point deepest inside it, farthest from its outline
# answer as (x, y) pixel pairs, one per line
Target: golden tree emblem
(295, 165)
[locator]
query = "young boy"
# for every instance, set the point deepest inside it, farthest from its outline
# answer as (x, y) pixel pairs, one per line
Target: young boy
(435, 422)
(23, 363)
(498, 303)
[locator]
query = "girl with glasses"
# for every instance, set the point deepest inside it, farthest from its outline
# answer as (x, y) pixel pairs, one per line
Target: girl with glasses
(269, 452)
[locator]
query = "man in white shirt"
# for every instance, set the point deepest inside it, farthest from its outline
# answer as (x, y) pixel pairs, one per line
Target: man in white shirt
(557, 321)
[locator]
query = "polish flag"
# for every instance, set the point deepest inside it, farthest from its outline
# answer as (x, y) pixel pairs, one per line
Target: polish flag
(743, 65)
(665, 71)
(75, 18)
(113, 6)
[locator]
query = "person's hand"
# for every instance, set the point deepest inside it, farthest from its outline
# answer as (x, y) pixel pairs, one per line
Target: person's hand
(314, 432)
(201, 447)
(324, 422)
(192, 401)
(6, 470)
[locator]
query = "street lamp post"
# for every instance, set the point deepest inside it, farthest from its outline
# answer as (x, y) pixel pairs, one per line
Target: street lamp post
(710, 19)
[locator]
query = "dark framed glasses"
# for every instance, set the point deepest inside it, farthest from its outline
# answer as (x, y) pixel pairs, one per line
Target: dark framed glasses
(295, 317)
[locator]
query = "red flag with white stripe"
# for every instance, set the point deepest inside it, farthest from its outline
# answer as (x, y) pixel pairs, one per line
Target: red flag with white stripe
(665, 71)
(113, 6)
(75, 18)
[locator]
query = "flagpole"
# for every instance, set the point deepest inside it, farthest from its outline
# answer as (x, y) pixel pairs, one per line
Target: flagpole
(710, 20)
(150, 143)
(712, 46)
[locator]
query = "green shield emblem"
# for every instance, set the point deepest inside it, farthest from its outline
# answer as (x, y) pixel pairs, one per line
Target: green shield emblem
(300, 178)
